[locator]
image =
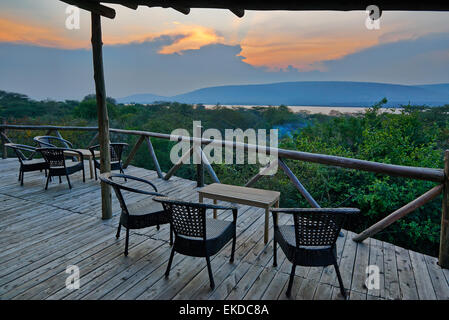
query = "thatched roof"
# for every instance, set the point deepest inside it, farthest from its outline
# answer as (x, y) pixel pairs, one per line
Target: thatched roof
(239, 7)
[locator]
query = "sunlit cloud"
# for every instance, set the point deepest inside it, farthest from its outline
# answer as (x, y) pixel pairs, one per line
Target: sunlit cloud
(14, 32)
(302, 54)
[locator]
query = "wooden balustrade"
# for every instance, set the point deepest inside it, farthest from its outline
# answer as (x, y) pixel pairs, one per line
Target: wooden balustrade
(429, 174)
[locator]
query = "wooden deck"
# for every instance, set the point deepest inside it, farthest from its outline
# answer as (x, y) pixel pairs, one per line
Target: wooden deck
(42, 232)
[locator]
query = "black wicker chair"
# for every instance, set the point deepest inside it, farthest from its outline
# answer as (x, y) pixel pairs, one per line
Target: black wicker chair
(52, 142)
(27, 163)
(311, 241)
(57, 165)
(143, 214)
(116, 149)
(196, 235)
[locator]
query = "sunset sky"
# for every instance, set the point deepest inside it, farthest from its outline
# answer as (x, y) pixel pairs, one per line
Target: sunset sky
(161, 51)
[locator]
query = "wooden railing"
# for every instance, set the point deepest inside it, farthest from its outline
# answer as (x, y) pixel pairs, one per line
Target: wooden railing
(429, 174)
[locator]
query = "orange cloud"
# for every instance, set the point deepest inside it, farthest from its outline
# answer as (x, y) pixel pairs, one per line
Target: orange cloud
(304, 54)
(11, 31)
(192, 38)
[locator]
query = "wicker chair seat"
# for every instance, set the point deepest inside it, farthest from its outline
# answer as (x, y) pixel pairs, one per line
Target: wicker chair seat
(143, 214)
(115, 165)
(218, 233)
(303, 255)
(34, 164)
(71, 167)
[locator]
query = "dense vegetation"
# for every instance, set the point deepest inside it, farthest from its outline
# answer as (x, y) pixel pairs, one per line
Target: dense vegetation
(416, 137)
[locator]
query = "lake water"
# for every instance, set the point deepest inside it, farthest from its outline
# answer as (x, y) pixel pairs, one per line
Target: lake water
(320, 109)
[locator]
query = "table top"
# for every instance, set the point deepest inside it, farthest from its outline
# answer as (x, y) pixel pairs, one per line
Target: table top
(243, 195)
(85, 152)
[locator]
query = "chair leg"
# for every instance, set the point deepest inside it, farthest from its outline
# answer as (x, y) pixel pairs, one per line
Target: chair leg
(60, 179)
(211, 277)
(233, 248)
(171, 236)
(275, 253)
(158, 227)
(21, 179)
(167, 272)
(68, 180)
(290, 282)
(48, 179)
(84, 175)
(122, 172)
(340, 280)
(20, 175)
(118, 230)
(126, 241)
(95, 169)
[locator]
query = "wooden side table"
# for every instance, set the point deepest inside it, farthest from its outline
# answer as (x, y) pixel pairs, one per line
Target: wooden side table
(87, 155)
(243, 195)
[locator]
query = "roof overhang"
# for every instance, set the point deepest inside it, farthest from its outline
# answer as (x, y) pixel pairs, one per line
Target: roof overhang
(239, 7)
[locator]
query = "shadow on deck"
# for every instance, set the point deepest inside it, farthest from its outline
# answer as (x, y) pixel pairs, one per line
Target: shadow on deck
(42, 232)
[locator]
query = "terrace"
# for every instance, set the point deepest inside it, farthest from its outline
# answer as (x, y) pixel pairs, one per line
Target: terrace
(43, 232)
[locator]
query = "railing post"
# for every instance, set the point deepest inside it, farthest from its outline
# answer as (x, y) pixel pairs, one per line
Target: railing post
(443, 260)
(200, 166)
(4, 148)
(102, 111)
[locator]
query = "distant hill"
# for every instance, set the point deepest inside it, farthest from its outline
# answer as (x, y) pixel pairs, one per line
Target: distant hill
(309, 93)
(142, 98)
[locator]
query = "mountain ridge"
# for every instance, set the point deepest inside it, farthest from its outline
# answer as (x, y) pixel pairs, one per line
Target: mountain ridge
(312, 93)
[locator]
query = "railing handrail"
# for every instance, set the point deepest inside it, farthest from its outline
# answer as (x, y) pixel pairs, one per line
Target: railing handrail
(420, 173)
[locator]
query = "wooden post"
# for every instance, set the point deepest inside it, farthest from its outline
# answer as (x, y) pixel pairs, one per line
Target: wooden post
(133, 152)
(398, 214)
(153, 156)
(4, 148)
(443, 259)
(103, 120)
(199, 166)
(298, 184)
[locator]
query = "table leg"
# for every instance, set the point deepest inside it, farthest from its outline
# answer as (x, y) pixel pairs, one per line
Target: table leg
(215, 210)
(265, 235)
(277, 216)
(91, 165)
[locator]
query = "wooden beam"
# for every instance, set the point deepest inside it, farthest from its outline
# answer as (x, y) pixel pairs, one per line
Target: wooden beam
(91, 142)
(178, 164)
(443, 257)
(4, 141)
(133, 152)
(95, 8)
(298, 184)
(261, 173)
(200, 166)
(420, 173)
(130, 4)
(238, 12)
(153, 156)
(207, 165)
(183, 10)
(102, 111)
(398, 214)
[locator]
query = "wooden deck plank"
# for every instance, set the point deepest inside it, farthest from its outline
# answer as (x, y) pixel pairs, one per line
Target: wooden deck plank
(407, 282)
(41, 232)
(439, 282)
